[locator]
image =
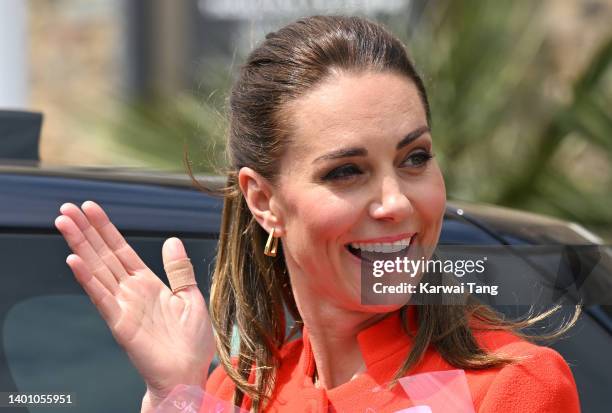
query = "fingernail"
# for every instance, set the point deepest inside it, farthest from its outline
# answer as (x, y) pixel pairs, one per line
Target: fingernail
(175, 245)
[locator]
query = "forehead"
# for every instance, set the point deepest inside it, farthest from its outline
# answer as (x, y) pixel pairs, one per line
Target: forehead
(350, 107)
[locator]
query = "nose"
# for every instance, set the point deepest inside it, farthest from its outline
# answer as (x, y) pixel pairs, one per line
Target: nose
(393, 204)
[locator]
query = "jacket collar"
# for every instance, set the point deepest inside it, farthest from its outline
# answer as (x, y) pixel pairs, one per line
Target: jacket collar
(377, 342)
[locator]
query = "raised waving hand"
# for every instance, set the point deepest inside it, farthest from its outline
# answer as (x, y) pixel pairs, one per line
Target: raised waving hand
(167, 335)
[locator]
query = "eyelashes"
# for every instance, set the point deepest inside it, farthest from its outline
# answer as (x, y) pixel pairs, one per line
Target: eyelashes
(342, 172)
(419, 158)
(415, 161)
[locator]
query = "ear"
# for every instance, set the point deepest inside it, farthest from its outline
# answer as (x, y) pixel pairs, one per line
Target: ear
(259, 196)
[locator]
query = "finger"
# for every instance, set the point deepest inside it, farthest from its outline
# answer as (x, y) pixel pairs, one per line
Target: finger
(100, 296)
(102, 249)
(80, 246)
(113, 238)
(178, 268)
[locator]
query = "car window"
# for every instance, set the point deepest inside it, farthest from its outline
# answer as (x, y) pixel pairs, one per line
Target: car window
(54, 340)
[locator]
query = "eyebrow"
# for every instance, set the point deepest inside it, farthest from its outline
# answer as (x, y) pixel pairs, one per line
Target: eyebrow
(350, 152)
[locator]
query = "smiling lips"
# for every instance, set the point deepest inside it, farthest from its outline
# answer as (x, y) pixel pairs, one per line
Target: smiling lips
(393, 245)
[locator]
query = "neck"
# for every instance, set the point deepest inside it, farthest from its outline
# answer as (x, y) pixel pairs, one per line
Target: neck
(337, 354)
(332, 329)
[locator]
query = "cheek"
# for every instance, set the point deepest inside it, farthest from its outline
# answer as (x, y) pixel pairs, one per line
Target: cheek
(431, 204)
(315, 218)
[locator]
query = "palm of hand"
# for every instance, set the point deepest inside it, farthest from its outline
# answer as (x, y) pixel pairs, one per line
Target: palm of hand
(171, 332)
(167, 336)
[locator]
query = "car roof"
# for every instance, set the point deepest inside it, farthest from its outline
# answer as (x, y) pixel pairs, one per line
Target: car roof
(138, 201)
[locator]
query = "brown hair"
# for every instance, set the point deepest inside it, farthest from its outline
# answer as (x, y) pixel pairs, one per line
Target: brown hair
(250, 291)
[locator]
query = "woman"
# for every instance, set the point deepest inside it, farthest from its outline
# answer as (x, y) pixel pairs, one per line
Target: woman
(330, 152)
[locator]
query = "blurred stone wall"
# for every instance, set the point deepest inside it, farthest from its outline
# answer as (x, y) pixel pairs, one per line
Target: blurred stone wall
(75, 73)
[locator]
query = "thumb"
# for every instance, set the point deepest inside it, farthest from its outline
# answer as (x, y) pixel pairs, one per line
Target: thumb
(177, 265)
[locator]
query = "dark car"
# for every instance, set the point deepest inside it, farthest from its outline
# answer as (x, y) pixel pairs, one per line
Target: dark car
(53, 340)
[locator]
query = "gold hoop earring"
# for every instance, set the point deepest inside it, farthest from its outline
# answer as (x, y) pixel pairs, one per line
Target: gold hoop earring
(271, 245)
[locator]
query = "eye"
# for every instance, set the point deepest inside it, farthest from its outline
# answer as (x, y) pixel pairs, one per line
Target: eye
(417, 159)
(342, 172)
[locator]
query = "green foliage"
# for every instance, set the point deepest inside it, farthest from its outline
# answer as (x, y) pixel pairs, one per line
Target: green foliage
(506, 129)
(161, 131)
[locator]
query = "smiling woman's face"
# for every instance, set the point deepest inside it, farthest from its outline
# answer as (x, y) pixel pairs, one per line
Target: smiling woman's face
(358, 170)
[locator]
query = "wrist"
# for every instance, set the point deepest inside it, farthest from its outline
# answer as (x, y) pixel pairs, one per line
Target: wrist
(181, 397)
(154, 396)
(150, 402)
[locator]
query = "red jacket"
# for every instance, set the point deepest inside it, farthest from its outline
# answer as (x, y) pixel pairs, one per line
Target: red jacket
(540, 382)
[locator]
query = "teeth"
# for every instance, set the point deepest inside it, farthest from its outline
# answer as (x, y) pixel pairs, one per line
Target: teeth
(384, 247)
